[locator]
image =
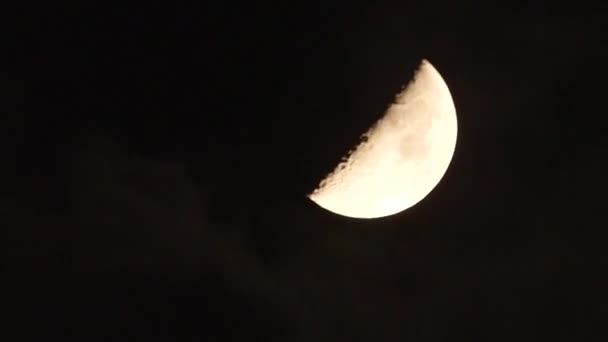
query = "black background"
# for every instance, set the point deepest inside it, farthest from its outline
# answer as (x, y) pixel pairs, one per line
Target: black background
(156, 160)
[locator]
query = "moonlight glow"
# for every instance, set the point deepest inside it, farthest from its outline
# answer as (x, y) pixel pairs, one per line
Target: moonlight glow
(404, 156)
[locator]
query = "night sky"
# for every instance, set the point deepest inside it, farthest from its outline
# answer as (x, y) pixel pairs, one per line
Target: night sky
(156, 161)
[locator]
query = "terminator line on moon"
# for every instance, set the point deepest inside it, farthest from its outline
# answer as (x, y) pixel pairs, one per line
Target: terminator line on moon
(402, 157)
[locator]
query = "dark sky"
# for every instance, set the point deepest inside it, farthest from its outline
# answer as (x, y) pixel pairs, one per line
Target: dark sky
(156, 161)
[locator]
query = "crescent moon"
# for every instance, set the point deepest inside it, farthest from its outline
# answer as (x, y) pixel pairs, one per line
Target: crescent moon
(401, 158)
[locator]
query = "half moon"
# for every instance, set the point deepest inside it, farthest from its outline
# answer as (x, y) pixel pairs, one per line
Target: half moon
(401, 158)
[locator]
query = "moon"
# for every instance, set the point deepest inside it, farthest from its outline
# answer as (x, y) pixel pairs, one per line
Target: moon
(401, 158)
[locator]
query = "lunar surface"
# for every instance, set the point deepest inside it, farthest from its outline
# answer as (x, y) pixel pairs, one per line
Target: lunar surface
(401, 158)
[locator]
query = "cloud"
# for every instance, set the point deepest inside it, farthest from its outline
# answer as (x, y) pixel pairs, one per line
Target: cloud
(148, 216)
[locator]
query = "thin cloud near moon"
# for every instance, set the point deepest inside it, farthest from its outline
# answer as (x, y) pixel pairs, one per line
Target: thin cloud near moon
(402, 157)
